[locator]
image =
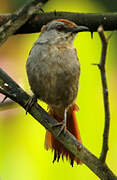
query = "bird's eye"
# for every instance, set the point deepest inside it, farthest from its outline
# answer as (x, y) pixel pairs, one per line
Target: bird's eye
(59, 28)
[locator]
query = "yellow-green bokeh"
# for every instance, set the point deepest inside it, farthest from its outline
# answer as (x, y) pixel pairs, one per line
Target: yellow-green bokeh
(22, 153)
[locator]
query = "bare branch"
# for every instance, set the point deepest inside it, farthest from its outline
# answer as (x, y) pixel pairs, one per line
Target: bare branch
(92, 20)
(20, 17)
(101, 66)
(7, 94)
(104, 47)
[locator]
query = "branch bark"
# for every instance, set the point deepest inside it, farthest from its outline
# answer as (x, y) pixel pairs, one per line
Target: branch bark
(12, 90)
(20, 17)
(101, 66)
(92, 20)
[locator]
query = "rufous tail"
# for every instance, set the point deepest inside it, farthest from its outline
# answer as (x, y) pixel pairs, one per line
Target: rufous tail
(72, 126)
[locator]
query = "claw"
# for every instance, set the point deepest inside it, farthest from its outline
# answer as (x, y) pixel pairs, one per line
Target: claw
(63, 127)
(62, 124)
(30, 103)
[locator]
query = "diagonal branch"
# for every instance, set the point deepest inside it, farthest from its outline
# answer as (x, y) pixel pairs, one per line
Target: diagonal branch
(20, 17)
(101, 66)
(17, 94)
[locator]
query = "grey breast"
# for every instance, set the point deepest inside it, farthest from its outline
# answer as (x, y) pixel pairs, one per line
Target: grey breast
(53, 76)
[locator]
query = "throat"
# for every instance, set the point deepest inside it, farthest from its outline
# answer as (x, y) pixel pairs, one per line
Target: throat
(65, 41)
(65, 45)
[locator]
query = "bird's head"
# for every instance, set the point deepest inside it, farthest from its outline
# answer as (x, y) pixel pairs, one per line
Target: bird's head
(61, 30)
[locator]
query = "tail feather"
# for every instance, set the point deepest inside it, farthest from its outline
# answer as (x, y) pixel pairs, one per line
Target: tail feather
(72, 126)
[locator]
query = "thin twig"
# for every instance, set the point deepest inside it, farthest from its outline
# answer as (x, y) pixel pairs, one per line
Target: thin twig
(101, 66)
(4, 99)
(7, 104)
(21, 16)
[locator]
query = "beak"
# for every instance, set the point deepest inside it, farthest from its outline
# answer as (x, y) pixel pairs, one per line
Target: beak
(79, 29)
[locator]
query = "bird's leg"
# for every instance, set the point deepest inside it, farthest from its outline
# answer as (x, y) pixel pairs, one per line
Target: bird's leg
(30, 102)
(62, 124)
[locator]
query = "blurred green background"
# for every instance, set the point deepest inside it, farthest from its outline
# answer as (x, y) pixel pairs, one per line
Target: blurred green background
(22, 153)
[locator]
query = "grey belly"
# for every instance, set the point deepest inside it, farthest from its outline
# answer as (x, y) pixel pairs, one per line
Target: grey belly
(56, 87)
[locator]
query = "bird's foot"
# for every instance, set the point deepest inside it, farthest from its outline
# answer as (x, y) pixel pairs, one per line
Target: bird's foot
(62, 124)
(30, 103)
(62, 127)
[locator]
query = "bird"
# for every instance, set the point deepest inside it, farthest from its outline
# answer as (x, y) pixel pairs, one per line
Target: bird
(53, 71)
